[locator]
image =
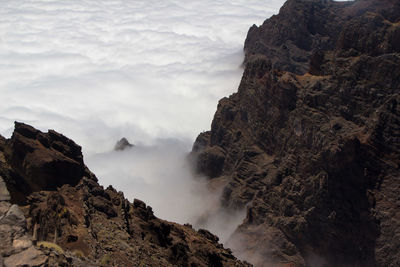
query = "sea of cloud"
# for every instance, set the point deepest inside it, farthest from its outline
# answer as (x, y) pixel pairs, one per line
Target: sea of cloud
(148, 70)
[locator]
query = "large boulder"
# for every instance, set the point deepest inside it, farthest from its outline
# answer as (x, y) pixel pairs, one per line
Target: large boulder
(41, 161)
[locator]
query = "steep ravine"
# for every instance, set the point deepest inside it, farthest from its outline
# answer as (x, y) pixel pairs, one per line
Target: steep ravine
(310, 143)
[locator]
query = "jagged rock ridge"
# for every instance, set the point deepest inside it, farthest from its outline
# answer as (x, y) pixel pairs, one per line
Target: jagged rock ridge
(65, 218)
(310, 143)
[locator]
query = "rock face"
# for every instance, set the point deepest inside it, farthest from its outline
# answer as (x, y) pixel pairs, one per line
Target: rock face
(38, 161)
(66, 218)
(16, 245)
(310, 143)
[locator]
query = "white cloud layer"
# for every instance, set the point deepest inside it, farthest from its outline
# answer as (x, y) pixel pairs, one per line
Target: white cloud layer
(160, 175)
(98, 70)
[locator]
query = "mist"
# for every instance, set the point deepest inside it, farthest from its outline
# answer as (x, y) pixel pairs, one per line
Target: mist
(161, 175)
(151, 71)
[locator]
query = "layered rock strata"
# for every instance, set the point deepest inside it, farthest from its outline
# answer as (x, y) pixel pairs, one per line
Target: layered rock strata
(310, 143)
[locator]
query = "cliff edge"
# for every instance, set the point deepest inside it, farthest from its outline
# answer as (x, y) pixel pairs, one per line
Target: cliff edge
(310, 143)
(54, 213)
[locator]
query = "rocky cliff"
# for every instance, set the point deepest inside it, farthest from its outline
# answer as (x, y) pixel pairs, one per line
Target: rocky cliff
(310, 143)
(54, 213)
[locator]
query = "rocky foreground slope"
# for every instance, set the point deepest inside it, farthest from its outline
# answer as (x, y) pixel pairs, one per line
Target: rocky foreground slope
(310, 143)
(54, 213)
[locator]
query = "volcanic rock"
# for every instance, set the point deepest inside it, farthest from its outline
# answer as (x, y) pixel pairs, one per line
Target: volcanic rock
(40, 161)
(310, 143)
(66, 218)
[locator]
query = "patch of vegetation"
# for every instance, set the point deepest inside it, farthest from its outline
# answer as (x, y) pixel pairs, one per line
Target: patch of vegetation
(78, 253)
(50, 245)
(106, 260)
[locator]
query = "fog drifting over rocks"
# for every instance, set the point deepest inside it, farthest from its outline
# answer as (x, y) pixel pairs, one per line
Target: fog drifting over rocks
(152, 71)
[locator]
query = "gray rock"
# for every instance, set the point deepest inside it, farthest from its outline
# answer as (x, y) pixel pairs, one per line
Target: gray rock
(29, 257)
(6, 237)
(4, 194)
(4, 207)
(14, 216)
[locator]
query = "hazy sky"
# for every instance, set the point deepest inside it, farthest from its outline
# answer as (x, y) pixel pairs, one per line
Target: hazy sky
(152, 71)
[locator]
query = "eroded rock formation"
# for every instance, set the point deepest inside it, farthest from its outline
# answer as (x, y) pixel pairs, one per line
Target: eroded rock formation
(310, 143)
(65, 218)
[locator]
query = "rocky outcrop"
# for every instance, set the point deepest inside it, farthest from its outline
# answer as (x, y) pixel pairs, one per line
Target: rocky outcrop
(310, 142)
(122, 144)
(36, 161)
(65, 218)
(16, 245)
(303, 27)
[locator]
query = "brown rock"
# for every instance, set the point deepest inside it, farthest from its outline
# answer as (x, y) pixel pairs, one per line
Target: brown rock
(311, 139)
(103, 205)
(41, 161)
(30, 257)
(22, 243)
(211, 161)
(77, 222)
